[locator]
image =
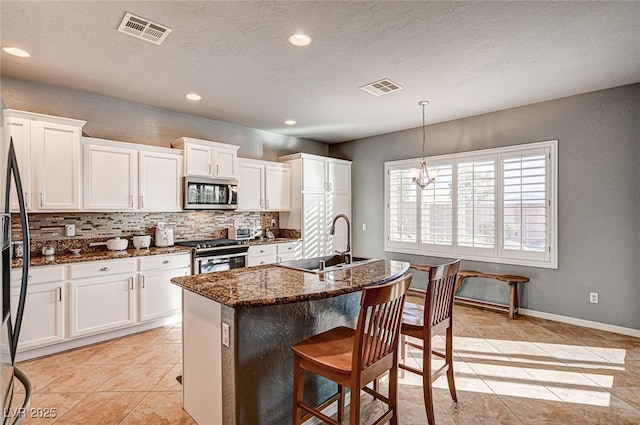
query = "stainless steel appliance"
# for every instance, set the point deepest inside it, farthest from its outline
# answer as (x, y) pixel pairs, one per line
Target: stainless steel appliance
(240, 233)
(216, 255)
(201, 193)
(12, 317)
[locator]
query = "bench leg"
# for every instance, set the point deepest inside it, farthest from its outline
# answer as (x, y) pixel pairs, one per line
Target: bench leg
(513, 299)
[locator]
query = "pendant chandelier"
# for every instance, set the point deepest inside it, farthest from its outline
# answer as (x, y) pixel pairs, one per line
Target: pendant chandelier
(424, 176)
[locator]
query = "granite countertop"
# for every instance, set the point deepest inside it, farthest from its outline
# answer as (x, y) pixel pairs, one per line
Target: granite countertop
(96, 255)
(270, 284)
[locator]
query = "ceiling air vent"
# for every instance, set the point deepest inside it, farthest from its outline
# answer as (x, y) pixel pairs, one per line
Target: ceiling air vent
(378, 88)
(143, 29)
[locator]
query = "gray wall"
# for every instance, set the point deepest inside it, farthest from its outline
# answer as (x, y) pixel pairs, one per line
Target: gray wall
(114, 119)
(598, 198)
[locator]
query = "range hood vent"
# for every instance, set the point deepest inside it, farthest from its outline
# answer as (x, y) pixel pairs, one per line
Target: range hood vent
(380, 87)
(143, 29)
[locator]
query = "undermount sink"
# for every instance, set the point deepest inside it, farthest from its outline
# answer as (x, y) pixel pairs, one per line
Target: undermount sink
(331, 263)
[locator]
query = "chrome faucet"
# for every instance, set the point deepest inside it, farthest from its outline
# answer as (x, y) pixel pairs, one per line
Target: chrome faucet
(346, 254)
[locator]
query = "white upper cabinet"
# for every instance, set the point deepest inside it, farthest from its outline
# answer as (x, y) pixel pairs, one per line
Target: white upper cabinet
(48, 151)
(263, 186)
(250, 184)
(125, 176)
(110, 176)
(277, 187)
(320, 190)
(160, 181)
(204, 158)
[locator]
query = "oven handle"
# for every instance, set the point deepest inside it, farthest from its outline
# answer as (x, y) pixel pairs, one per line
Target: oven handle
(211, 257)
(230, 197)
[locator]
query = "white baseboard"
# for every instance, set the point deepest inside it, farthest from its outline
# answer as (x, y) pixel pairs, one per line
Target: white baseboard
(580, 322)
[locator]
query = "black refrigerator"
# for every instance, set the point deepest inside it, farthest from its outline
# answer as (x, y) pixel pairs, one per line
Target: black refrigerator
(10, 375)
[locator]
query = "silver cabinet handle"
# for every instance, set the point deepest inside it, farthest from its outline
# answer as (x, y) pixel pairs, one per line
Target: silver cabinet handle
(261, 203)
(267, 204)
(217, 170)
(141, 201)
(26, 199)
(290, 248)
(104, 269)
(131, 200)
(59, 294)
(166, 262)
(142, 281)
(41, 199)
(261, 251)
(29, 277)
(131, 283)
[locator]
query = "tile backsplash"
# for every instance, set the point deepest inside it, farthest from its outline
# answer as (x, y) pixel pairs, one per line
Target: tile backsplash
(187, 225)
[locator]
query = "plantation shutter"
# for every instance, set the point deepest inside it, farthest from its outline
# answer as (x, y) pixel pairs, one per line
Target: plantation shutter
(436, 205)
(402, 206)
(525, 205)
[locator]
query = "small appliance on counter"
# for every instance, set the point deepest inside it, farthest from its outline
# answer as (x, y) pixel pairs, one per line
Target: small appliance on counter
(240, 233)
(141, 241)
(164, 236)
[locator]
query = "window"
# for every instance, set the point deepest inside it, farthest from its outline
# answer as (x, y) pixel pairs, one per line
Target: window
(496, 205)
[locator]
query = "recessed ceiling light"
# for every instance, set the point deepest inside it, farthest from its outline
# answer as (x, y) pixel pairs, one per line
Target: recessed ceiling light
(193, 96)
(290, 122)
(299, 39)
(15, 51)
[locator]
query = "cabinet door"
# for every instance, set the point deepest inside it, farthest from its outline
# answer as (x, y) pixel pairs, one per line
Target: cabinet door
(158, 296)
(198, 160)
(250, 186)
(339, 177)
(225, 161)
(110, 178)
(313, 175)
(43, 320)
(160, 181)
(100, 304)
(315, 226)
(56, 166)
(20, 131)
(277, 188)
(339, 204)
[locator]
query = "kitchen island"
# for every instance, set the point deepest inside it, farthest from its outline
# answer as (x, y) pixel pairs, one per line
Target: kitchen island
(238, 329)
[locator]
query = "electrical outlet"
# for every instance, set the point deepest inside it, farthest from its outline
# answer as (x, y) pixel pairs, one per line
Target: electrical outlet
(236, 223)
(70, 229)
(593, 297)
(364, 227)
(273, 222)
(225, 334)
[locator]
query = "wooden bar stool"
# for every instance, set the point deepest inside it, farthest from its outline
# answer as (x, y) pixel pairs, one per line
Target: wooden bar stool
(425, 321)
(354, 357)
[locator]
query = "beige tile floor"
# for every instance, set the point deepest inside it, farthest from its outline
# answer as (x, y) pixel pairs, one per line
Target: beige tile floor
(523, 371)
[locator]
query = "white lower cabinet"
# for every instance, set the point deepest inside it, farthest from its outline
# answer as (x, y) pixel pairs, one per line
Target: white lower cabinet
(158, 297)
(100, 304)
(43, 319)
(262, 254)
(274, 253)
(68, 302)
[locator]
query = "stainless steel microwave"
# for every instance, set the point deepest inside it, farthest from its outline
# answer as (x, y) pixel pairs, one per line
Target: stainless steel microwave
(201, 193)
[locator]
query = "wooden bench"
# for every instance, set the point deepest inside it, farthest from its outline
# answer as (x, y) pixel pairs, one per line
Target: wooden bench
(512, 280)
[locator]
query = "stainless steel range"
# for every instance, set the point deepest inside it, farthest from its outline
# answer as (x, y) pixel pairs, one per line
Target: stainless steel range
(216, 255)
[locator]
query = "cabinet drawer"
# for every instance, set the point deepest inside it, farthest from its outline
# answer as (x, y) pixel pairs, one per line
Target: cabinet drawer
(262, 250)
(289, 247)
(164, 262)
(39, 275)
(258, 260)
(102, 268)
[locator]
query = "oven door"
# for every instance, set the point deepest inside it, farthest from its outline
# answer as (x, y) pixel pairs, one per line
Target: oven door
(219, 263)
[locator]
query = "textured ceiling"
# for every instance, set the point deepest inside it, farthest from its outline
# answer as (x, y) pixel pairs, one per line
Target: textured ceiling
(466, 58)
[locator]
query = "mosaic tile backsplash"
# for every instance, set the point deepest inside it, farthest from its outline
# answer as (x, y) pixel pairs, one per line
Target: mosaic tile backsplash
(187, 225)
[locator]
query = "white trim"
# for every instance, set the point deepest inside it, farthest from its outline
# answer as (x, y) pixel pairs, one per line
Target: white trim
(580, 322)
